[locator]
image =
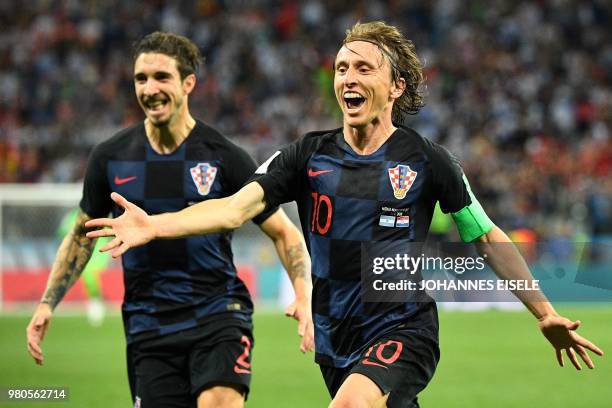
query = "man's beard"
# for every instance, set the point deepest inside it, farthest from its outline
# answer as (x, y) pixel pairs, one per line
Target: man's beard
(160, 123)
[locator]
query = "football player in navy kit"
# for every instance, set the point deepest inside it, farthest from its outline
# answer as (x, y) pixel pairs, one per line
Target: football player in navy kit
(372, 180)
(187, 316)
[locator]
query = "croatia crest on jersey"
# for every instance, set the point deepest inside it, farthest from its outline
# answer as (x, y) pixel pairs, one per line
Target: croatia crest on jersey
(401, 177)
(203, 175)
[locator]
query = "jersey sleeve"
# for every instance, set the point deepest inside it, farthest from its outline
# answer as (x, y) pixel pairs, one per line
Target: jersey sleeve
(239, 167)
(453, 191)
(280, 175)
(96, 201)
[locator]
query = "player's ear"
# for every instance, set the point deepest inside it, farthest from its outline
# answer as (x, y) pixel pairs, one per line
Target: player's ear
(397, 88)
(189, 83)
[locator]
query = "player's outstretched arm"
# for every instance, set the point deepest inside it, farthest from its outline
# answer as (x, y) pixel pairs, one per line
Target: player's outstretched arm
(508, 263)
(134, 227)
(292, 252)
(72, 257)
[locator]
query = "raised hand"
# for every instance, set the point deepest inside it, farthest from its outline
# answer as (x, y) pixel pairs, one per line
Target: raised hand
(133, 228)
(561, 333)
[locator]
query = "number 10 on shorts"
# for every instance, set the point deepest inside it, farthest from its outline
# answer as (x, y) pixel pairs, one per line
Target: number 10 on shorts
(393, 350)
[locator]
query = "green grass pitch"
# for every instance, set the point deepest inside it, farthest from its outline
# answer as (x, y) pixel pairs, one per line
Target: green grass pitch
(489, 359)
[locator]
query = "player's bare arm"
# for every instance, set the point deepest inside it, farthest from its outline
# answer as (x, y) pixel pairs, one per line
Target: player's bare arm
(508, 263)
(292, 252)
(134, 227)
(72, 257)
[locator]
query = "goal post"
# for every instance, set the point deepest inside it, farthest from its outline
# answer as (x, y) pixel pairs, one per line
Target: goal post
(29, 217)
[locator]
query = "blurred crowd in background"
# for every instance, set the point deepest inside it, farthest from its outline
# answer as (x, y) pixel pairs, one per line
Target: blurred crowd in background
(519, 91)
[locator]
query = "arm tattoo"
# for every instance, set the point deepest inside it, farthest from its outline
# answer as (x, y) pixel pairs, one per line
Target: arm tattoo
(297, 260)
(72, 256)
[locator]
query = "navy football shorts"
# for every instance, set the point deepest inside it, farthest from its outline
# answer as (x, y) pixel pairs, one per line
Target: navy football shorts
(401, 363)
(172, 370)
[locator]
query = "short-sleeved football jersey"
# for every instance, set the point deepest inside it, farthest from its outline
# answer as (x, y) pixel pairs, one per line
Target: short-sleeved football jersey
(346, 199)
(172, 285)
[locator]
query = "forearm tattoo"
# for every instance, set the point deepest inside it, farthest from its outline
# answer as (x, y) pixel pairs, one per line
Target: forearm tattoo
(297, 260)
(72, 256)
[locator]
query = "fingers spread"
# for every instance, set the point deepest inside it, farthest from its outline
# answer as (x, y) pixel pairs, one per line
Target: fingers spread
(559, 357)
(584, 355)
(98, 222)
(117, 252)
(100, 233)
(120, 200)
(585, 343)
(573, 359)
(110, 245)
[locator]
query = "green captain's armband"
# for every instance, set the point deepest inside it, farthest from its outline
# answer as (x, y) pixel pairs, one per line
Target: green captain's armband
(472, 221)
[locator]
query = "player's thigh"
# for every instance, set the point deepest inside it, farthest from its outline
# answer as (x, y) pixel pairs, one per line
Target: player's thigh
(401, 364)
(334, 377)
(161, 379)
(359, 391)
(220, 366)
(225, 396)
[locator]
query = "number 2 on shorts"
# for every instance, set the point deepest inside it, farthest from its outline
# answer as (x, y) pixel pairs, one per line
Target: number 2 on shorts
(242, 365)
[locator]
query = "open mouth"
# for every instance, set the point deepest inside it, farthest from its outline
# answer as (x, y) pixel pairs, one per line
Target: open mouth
(353, 100)
(155, 104)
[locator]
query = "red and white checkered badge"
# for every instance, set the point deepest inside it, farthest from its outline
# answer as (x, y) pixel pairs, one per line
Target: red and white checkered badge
(203, 175)
(401, 177)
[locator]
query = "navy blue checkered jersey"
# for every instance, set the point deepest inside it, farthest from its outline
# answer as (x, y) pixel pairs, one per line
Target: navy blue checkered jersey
(346, 199)
(172, 285)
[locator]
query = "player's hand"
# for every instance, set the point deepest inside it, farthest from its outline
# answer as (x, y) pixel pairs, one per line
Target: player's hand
(36, 330)
(131, 229)
(561, 333)
(301, 311)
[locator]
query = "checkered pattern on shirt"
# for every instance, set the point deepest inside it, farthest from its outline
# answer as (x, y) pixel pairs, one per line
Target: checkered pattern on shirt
(172, 285)
(340, 205)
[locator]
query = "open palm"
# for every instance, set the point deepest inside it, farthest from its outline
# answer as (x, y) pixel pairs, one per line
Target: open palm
(131, 229)
(561, 333)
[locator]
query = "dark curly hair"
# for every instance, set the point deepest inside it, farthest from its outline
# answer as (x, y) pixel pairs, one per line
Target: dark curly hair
(183, 50)
(403, 59)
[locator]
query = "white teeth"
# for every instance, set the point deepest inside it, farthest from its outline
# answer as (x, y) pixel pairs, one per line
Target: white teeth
(155, 104)
(352, 95)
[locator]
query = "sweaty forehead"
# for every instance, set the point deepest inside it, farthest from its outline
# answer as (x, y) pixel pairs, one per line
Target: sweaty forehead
(362, 50)
(155, 62)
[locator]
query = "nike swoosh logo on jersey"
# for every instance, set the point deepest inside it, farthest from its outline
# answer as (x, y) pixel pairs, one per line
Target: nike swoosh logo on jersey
(119, 181)
(315, 173)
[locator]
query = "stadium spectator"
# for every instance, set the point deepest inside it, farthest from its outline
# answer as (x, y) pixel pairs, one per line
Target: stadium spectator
(528, 82)
(187, 316)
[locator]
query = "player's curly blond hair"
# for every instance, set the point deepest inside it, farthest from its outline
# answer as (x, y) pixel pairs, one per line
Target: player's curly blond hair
(404, 61)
